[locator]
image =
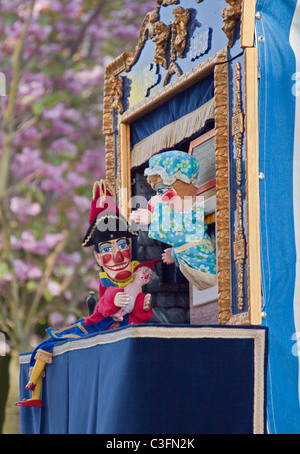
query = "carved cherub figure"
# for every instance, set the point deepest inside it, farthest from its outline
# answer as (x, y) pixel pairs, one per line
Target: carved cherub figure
(179, 31)
(231, 15)
(161, 43)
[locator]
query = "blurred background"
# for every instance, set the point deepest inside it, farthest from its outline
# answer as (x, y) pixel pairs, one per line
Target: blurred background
(53, 55)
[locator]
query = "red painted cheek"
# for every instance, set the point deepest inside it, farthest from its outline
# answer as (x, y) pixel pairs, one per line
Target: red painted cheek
(106, 258)
(126, 253)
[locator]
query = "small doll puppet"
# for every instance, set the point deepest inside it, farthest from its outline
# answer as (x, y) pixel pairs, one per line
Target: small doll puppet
(176, 217)
(112, 253)
(143, 274)
(120, 299)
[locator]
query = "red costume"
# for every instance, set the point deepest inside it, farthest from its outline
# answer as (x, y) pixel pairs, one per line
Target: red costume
(106, 307)
(108, 291)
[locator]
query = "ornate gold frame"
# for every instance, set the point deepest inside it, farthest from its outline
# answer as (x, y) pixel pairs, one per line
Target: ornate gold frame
(218, 65)
(113, 69)
(222, 189)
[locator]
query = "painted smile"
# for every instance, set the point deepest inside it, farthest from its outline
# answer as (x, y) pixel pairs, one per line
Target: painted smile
(117, 267)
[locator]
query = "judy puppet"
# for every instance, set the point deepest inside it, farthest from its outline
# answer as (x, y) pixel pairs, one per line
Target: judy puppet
(176, 217)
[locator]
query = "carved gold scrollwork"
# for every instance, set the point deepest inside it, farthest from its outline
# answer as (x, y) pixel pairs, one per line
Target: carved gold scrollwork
(239, 246)
(173, 68)
(147, 29)
(222, 189)
(238, 124)
(239, 249)
(111, 70)
(117, 93)
(231, 15)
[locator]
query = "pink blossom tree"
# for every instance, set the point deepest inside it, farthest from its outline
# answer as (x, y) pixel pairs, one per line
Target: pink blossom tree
(53, 55)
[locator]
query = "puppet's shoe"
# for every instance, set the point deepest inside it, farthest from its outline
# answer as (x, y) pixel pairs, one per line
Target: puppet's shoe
(31, 386)
(30, 403)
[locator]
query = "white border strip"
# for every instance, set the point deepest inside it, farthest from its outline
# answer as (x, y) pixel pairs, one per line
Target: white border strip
(133, 331)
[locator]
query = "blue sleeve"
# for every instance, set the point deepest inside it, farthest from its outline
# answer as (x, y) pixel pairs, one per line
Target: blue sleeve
(174, 257)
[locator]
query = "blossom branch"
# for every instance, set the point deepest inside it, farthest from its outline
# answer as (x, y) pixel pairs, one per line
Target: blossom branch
(49, 266)
(75, 44)
(9, 112)
(8, 131)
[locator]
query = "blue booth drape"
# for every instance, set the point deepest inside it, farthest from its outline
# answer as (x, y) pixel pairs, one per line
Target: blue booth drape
(153, 380)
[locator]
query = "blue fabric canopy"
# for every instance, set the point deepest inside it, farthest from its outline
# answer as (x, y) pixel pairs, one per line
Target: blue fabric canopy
(278, 43)
(179, 106)
(153, 379)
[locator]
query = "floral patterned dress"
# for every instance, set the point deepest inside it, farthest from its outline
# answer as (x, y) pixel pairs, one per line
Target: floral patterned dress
(187, 233)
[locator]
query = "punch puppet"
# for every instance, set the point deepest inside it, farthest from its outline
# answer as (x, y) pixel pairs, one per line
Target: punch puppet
(109, 234)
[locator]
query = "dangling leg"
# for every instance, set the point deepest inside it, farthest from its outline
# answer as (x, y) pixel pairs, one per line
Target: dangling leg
(35, 374)
(35, 383)
(37, 390)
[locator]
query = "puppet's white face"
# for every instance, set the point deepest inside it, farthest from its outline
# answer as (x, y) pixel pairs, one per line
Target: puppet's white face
(143, 275)
(115, 259)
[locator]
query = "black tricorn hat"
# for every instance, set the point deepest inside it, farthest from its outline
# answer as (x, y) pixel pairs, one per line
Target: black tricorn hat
(106, 222)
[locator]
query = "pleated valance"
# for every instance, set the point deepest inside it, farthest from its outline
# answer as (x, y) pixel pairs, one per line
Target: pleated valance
(172, 134)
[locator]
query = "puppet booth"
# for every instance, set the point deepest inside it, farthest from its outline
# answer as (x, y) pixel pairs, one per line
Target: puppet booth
(204, 109)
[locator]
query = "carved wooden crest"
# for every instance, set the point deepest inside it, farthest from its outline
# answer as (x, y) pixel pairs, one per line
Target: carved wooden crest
(165, 36)
(147, 30)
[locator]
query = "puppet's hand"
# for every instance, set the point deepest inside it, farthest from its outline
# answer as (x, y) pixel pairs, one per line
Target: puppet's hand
(141, 216)
(121, 299)
(167, 256)
(117, 317)
(147, 302)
